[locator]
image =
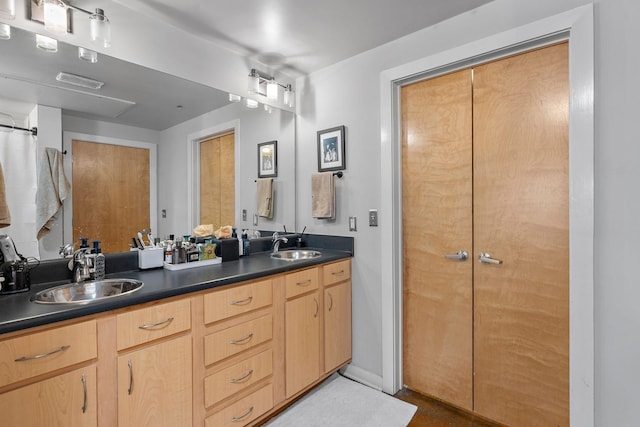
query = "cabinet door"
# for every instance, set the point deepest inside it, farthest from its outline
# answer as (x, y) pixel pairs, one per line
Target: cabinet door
(337, 325)
(302, 342)
(65, 400)
(155, 385)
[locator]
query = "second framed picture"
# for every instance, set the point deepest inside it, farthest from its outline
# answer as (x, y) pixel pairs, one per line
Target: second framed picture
(331, 149)
(268, 159)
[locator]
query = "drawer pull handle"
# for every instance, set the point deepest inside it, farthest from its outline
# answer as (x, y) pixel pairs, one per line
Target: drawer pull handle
(158, 325)
(317, 307)
(84, 390)
(242, 301)
(305, 283)
(130, 389)
(242, 378)
(241, 417)
(242, 340)
(40, 356)
(330, 301)
(338, 273)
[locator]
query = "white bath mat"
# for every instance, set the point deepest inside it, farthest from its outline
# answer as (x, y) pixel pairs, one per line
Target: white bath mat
(341, 402)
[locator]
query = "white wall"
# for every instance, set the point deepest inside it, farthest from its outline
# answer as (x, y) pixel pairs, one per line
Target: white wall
(253, 127)
(347, 94)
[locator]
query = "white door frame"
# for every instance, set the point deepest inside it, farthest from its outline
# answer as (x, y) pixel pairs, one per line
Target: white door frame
(578, 25)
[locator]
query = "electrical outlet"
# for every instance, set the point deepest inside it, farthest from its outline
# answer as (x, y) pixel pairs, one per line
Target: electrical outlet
(353, 224)
(373, 217)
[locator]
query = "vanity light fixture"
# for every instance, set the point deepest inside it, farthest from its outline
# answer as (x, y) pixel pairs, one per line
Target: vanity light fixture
(265, 85)
(46, 43)
(76, 80)
(5, 31)
(8, 9)
(55, 16)
(289, 96)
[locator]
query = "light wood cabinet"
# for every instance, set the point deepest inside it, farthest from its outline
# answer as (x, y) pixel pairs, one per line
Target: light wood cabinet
(155, 385)
(337, 326)
(302, 342)
(65, 400)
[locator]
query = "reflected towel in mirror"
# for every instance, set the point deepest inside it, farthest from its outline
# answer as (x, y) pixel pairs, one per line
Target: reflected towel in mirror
(5, 215)
(53, 188)
(265, 197)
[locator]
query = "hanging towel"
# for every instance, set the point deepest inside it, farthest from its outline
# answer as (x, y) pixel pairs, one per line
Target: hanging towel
(53, 188)
(5, 216)
(323, 196)
(265, 197)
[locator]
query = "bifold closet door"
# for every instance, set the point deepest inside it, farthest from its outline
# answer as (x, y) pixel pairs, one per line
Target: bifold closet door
(521, 217)
(437, 221)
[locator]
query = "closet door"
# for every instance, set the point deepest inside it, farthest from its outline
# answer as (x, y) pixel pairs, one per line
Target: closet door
(217, 181)
(521, 217)
(437, 221)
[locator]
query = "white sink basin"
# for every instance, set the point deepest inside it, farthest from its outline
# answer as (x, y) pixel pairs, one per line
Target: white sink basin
(86, 292)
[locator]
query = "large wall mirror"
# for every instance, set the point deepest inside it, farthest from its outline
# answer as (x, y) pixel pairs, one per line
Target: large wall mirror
(137, 106)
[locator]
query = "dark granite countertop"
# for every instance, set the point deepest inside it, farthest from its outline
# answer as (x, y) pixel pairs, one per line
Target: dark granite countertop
(18, 312)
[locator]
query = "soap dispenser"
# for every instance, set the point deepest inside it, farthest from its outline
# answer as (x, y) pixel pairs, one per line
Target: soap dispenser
(99, 265)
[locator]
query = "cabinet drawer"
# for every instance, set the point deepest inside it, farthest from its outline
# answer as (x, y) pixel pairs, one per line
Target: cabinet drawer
(227, 303)
(301, 282)
(237, 377)
(147, 324)
(235, 339)
(40, 352)
(336, 272)
(243, 411)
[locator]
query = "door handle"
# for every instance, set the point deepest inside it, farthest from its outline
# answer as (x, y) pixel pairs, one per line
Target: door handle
(460, 256)
(485, 258)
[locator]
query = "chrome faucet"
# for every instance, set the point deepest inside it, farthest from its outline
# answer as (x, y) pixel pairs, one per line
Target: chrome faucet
(82, 264)
(276, 241)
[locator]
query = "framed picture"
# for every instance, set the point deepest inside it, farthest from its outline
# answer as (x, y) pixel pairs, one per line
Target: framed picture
(331, 149)
(268, 159)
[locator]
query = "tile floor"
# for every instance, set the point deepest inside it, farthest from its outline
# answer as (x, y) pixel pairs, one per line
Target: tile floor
(432, 413)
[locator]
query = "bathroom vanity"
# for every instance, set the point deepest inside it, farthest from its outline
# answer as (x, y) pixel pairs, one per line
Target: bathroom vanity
(221, 345)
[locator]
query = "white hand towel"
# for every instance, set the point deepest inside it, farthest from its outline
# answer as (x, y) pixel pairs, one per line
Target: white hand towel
(265, 197)
(53, 188)
(5, 215)
(323, 196)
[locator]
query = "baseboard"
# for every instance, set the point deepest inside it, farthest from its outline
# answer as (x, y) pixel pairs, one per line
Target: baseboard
(362, 376)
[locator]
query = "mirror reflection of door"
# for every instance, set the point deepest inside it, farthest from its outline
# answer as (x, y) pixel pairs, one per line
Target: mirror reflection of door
(217, 180)
(111, 193)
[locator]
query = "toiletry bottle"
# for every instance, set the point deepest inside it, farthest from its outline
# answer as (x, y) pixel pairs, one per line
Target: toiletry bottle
(246, 243)
(192, 250)
(99, 265)
(240, 245)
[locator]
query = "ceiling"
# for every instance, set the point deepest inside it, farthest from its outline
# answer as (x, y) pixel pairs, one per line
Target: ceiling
(297, 36)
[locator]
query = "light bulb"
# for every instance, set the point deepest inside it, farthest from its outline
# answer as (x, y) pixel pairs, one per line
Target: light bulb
(100, 28)
(272, 89)
(254, 82)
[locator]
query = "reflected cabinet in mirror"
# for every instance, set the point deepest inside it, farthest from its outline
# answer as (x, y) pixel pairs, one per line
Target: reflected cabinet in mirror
(134, 152)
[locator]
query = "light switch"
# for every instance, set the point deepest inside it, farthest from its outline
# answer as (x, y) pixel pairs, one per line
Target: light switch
(373, 217)
(244, 214)
(352, 224)
(255, 219)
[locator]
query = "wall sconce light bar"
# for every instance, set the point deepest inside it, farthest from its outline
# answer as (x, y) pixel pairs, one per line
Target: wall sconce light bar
(265, 85)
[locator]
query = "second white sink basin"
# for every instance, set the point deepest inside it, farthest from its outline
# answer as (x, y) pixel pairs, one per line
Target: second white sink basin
(296, 254)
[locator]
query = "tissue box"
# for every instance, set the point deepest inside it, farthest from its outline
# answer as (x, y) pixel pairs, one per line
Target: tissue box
(227, 249)
(150, 258)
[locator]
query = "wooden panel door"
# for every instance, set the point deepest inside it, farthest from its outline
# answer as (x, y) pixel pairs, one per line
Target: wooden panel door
(521, 216)
(217, 181)
(302, 342)
(110, 193)
(155, 385)
(437, 220)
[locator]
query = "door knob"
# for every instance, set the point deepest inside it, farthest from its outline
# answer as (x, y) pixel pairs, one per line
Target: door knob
(460, 256)
(485, 258)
